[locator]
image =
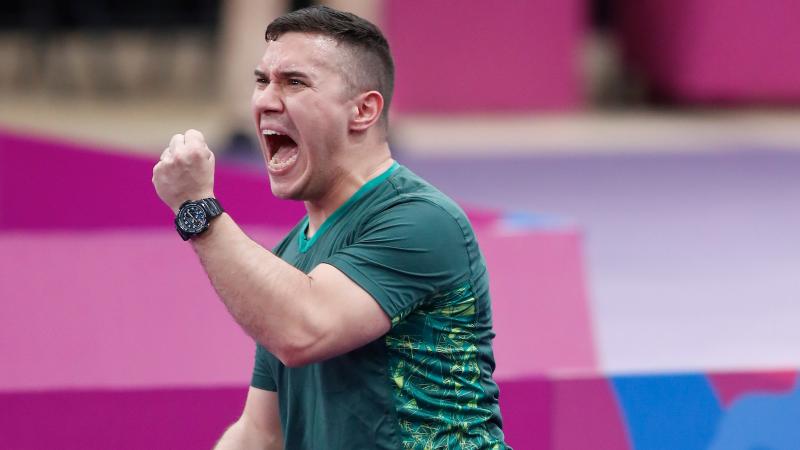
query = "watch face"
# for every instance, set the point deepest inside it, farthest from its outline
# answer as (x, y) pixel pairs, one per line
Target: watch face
(192, 218)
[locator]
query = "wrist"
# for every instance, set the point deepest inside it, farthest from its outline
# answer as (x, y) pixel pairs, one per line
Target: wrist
(176, 204)
(194, 217)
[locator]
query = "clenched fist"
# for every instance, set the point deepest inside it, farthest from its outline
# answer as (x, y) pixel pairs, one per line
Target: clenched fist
(185, 170)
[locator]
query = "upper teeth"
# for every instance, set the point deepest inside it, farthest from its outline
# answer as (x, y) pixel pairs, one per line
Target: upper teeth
(272, 133)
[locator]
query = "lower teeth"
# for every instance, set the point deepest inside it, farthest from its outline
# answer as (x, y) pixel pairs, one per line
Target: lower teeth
(280, 165)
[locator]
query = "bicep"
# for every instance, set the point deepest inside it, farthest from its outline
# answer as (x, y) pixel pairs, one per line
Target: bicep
(403, 256)
(348, 315)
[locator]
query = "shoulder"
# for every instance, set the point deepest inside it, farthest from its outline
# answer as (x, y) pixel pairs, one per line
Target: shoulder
(418, 201)
(418, 219)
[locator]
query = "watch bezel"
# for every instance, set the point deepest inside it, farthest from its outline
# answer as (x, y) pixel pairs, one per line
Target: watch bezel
(185, 233)
(182, 223)
(210, 208)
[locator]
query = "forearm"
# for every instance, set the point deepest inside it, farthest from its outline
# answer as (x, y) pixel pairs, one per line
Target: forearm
(244, 436)
(270, 299)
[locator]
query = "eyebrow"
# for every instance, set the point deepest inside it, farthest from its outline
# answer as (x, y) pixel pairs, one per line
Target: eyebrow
(283, 74)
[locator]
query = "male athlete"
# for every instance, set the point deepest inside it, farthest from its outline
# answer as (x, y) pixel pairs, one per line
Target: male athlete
(372, 317)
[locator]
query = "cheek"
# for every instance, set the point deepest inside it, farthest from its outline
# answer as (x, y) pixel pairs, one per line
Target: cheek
(253, 103)
(314, 117)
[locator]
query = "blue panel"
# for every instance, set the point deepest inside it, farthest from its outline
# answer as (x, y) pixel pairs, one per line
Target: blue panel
(761, 422)
(669, 412)
(524, 220)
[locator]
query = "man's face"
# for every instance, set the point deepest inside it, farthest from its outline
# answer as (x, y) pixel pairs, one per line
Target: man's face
(301, 106)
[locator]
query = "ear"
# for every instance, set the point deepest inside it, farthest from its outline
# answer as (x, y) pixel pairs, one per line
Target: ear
(366, 111)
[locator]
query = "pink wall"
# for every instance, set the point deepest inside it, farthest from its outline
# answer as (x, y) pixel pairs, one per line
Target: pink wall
(715, 50)
(479, 56)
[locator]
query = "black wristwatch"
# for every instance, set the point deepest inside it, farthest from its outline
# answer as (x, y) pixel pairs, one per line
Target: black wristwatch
(194, 216)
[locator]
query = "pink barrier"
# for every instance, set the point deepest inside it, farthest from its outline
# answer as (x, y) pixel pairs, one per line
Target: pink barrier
(539, 302)
(104, 308)
(195, 417)
(118, 309)
(715, 50)
(564, 412)
(134, 308)
(477, 56)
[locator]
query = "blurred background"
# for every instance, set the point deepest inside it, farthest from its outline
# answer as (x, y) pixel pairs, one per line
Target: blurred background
(630, 167)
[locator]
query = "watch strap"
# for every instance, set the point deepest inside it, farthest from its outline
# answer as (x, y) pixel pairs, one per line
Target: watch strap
(212, 207)
(184, 235)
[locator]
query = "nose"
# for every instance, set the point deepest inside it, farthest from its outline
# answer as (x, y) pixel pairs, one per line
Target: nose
(268, 98)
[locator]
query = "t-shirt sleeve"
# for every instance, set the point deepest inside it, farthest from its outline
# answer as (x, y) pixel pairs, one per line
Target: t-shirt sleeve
(262, 371)
(405, 254)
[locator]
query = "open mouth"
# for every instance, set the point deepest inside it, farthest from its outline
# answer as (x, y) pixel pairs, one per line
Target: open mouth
(282, 150)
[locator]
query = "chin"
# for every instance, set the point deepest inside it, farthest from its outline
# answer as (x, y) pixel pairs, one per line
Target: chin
(284, 191)
(279, 191)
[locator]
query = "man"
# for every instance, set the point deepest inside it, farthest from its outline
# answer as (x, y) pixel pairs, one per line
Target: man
(372, 317)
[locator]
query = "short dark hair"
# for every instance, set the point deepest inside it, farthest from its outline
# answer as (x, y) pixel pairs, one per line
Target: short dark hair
(375, 69)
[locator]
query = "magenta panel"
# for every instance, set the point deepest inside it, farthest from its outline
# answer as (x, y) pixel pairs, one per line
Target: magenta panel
(527, 405)
(586, 415)
(715, 50)
(479, 56)
(731, 386)
(154, 419)
(47, 184)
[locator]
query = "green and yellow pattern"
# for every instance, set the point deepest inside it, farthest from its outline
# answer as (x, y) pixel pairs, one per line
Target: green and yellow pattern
(433, 363)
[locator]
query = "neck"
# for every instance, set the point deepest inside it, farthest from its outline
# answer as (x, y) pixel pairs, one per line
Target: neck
(345, 185)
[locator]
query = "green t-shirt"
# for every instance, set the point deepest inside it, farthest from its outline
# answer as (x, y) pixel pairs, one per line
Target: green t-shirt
(426, 384)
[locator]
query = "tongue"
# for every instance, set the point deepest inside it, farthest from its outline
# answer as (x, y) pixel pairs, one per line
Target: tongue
(286, 149)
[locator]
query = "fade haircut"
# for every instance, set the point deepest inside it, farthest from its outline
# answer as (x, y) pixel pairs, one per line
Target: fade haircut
(373, 68)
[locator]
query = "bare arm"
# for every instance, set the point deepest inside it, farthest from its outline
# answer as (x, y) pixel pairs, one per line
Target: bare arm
(259, 427)
(300, 318)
